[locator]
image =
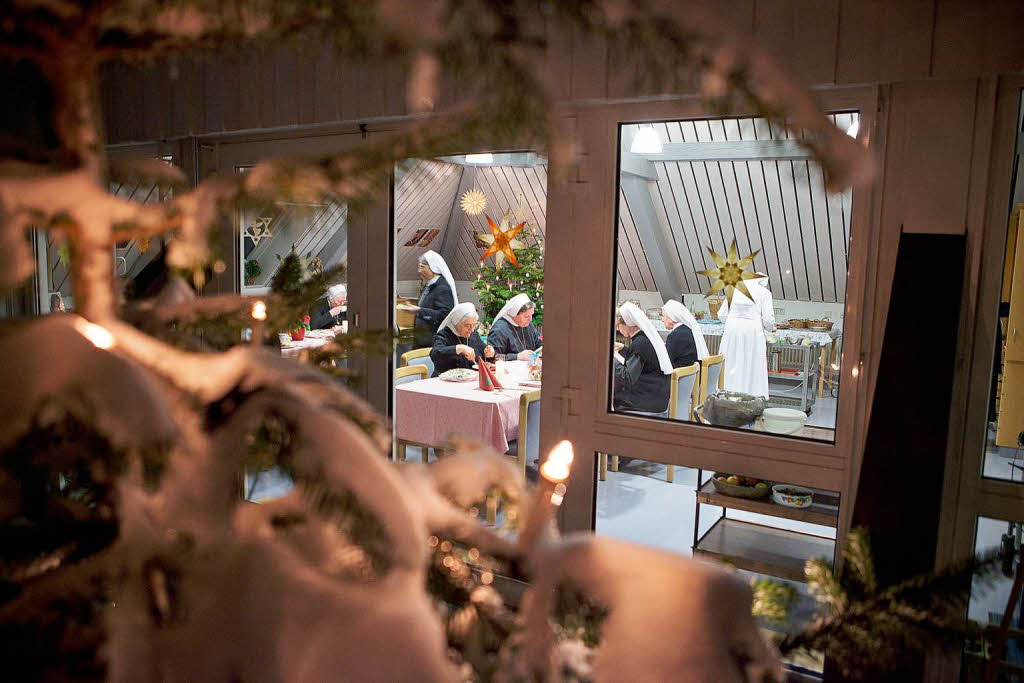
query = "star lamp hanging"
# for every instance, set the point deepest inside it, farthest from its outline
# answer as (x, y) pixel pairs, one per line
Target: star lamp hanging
(259, 230)
(501, 241)
(473, 202)
(731, 273)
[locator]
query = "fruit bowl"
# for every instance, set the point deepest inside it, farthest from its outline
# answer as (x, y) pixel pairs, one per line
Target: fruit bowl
(792, 496)
(759, 490)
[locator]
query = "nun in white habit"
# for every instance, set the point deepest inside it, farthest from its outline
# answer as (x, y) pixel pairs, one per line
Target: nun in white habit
(457, 343)
(685, 342)
(743, 341)
(512, 333)
(642, 366)
(436, 300)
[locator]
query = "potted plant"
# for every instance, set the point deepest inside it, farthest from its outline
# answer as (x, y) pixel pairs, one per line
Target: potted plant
(253, 270)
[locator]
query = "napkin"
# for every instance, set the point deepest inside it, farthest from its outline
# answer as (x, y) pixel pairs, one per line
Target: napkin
(484, 377)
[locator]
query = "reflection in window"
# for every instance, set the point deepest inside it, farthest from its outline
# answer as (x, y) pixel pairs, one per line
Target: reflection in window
(1004, 458)
(990, 600)
(738, 187)
(735, 520)
(460, 296)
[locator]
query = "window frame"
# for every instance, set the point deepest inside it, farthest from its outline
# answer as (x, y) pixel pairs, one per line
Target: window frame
(577, 342)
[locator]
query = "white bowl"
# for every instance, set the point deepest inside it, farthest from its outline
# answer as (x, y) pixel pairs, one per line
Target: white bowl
(783, 420)
(801, 500)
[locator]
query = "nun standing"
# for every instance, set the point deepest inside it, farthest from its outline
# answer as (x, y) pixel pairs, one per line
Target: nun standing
(512, 333)
(457, 343)
(642, 366)
(743, 342)
(437, 299)
(685, 342)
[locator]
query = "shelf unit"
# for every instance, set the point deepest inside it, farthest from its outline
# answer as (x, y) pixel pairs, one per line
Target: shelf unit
(781, 553)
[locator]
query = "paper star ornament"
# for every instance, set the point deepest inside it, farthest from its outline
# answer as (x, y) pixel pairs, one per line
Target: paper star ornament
(501, 241)
(259, 230)
(731, 273)
(473, 202)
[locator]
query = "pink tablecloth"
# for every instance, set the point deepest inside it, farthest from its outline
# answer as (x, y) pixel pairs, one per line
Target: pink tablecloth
(427, 411)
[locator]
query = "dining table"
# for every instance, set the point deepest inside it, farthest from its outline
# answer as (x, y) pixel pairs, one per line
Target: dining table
(314, 339)
(429, 411)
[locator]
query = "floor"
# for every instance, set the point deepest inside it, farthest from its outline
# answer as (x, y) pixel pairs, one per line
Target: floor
(1002, 462)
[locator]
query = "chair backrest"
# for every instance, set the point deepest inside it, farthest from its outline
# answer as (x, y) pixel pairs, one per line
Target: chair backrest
(419, 357)
(411, 373)
(711, 377)
(683, 391)
(529, 427)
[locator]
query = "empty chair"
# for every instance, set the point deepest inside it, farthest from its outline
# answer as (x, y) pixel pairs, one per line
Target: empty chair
(404, 375)
(528, 443)
(419, 357)
(711, 376)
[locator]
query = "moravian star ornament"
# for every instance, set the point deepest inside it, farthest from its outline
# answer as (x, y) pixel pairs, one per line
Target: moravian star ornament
(731, 273)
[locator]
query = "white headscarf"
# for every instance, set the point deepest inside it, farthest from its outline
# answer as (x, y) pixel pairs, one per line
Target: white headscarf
(512, 307)
(437, 265)
(633, 316)
(681, 314)
(457, 315)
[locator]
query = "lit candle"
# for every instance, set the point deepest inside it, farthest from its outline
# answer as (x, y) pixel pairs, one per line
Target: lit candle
(549, 493)
(259, 315)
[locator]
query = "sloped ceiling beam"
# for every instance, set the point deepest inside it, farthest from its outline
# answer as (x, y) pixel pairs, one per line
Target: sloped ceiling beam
(655, 236)
(634, 164)
(738, 150)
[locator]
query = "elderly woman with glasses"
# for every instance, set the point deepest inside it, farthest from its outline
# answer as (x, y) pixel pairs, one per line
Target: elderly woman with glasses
(457, 343)
(512, 333)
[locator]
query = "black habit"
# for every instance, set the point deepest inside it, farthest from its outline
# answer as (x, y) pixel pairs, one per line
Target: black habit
(682, 348)
(640, 385)
(436, 302)
(443, 352)
(508, 339)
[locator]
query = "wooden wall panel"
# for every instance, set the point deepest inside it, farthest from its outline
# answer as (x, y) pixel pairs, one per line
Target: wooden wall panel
(801, 35)
(974, 37)
(931, 129)
(884, 40)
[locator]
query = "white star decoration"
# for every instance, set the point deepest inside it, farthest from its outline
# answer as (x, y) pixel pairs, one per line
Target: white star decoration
(259, 229)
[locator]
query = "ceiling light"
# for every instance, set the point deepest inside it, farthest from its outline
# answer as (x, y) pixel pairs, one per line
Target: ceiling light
(854, 128)
(646, 142)
(486, 158)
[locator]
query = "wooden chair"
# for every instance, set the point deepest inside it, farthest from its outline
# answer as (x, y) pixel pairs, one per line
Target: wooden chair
(418, 357)
(404, 375)
(528, 443)
(712, 374)
(682, 398)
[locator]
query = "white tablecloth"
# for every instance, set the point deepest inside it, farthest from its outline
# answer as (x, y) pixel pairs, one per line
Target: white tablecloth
(788, 336)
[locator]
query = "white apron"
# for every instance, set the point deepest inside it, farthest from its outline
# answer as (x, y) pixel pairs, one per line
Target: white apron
(743, 342)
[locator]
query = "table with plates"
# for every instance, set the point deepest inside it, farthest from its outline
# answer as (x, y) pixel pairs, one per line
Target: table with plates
(429, 411)
(314, 339)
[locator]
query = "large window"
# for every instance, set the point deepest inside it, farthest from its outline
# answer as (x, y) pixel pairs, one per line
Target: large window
(702, 202)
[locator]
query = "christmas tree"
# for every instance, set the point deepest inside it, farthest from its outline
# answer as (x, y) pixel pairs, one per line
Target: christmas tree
(494, 285)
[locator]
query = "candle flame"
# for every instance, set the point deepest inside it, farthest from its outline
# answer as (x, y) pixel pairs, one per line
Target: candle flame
(259, 310)
(556, 467)
(100, 337)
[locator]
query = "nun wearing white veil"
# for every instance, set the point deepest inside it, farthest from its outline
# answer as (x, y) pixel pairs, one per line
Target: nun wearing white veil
(437, 299)
(743, 341)
(642, 375)
(457, 343)
(685, 342)
(512, 333)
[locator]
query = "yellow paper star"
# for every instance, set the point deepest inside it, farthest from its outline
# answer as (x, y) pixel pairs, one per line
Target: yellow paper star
(473, 202)
(500, 242)
(730, 273)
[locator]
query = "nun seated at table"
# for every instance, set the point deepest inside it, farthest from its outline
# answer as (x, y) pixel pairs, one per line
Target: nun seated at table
(685, 342)
(642, 366)
(512, 333)
(457, 343)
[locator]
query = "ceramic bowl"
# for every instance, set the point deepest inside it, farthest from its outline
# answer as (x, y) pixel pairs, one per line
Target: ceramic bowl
(792, 496)
(783, 420)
